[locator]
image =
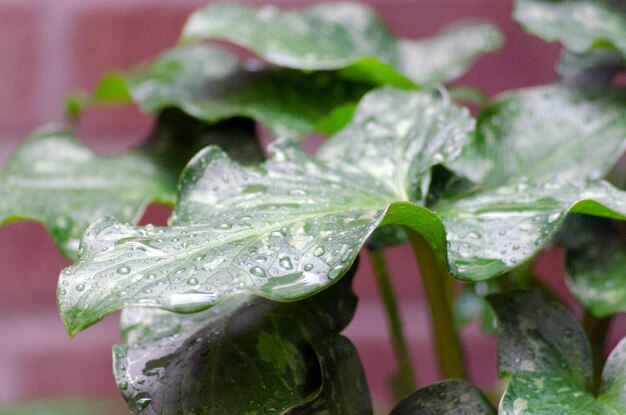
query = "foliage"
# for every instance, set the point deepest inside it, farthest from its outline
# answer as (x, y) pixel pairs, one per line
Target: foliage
(237, 304)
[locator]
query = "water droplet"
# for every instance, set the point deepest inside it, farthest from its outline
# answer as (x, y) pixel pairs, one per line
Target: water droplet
(257, 271)
(80, 287)
(225, 226)
(123, 270)
(347, 255)
(308, 267)
(319, 251)
(285, 263)
(123, 386)
(192, 281)
(334, 272)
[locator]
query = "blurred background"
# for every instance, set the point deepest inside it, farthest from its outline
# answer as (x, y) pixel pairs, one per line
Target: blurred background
(50, 48)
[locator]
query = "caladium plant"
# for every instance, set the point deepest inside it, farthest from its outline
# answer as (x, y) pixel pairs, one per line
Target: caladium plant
(236, 306)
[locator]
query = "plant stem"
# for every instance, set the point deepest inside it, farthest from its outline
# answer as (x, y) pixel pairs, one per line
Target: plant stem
(404, 381)
(439, 288)
(597, 330)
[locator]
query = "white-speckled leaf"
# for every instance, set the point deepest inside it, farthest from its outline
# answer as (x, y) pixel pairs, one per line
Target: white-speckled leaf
(57, 181)
(345, 36)
(546, 354)
(247, 355)
(449, 397)
(283, 230)
(546, 131)
(581, 25)
(596, 263)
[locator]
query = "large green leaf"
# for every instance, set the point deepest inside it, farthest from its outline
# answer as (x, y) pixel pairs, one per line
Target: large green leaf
(247, 355)
(55, 180)
(211, 84)
(345, 36)
(283, 230)
(581, 25)
(492, 231)
(596, 263)
(546, 354)
(546, 131)
(292, 226)
(449, 397)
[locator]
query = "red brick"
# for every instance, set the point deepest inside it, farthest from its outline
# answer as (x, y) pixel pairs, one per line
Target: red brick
(19, 64)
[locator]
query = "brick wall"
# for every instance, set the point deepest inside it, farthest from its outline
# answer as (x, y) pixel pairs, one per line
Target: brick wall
(49, 48)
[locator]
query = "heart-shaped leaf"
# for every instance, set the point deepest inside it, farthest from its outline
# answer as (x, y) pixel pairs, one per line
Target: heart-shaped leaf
(247, 355)
(55, 180)
(449, 397)
(581, 25)
(596, 263)
(355, 41)
(546, 354)
(540, 132)
(290, 227)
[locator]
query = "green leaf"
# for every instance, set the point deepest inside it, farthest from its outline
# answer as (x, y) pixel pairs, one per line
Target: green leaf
(112, 88)
(546, 354)
(539, 132)
(355, 41)
(492, 231)
(65, 406)
(55, 180)
(449, 397)
(284, 230)
(596, 263)
(449, 54)
(291, 227)
(247, 355)
(581, 25)
(211, 84)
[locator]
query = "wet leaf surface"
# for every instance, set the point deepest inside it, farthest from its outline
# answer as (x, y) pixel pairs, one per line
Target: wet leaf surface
(596, 263)
(545, 353)
(292, 226)
(541, 132)
(449, 397)
(55, 180)
(355, 41)
(581, 25)
(247, 355)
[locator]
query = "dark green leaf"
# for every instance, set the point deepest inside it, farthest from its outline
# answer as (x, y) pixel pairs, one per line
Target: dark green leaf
(55, 180)
(247, 355)
(354, 40)
(283, 230)
(596, 263)
(581, 25)
(545, 131)
(595, 68)
(211, 84)
(546, 354)
(67, 406)
(449, 397)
